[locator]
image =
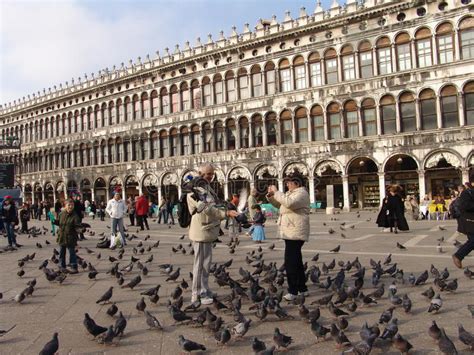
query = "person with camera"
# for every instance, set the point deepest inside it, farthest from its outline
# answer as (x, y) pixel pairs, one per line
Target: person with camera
(465, 205)
(293, 222)
(204, 230)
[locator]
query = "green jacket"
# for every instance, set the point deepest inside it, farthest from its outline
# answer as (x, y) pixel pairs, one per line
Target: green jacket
(68, 224)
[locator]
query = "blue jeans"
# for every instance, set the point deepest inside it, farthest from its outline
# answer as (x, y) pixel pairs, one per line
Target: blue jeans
(117, 223)
(9, 228)
(466, 248)
(72, 256)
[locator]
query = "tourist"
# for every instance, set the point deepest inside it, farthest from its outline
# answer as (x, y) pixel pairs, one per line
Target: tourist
(251, 203)
(232, 223)
(131, 209)
(93, 208)
(24, 218)
(79, 211)
(141, 210)
(57, 207)
(294, 208)
(203, 232)
(116, 209)
(50, 217)
(424, 207)
(169, 211)
(382, 217)
(69, 226)
(257, 230)
(163, 211)
(9, 217)
(465, 204)
(395, 210)
(102, 210)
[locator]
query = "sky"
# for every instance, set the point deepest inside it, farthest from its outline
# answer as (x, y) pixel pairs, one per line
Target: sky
(47, 42)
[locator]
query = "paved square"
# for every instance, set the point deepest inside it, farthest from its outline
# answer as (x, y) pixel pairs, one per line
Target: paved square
(60, 308)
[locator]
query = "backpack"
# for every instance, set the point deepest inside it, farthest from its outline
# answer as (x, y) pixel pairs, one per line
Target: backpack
(184, 217)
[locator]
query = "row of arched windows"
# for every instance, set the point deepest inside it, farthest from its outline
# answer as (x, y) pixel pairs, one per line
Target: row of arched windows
(348, 120)
(315, 69)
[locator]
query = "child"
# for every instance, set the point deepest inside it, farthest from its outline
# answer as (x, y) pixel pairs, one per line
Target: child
(257, 231)
(51, 218)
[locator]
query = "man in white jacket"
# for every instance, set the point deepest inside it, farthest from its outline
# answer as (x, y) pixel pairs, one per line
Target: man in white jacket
(116, 208)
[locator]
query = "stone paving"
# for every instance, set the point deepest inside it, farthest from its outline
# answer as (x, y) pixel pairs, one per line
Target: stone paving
(60, 308)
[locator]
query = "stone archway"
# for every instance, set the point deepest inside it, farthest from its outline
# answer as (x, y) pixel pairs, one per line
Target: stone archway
(150, 187)
(100, 190)
(72, 188)
(169, 187)
(28, 193)
(86, 190)
(38, 192)
(297, 167)
(363, 182)
(328, 173)
(442, 173)
(60, 191)
(265, 176)
(115, 186)
(238, 179)
(131, 187)
(49, 193)
(402, 170)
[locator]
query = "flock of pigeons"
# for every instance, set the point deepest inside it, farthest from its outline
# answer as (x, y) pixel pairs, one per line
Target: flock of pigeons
(252, 294)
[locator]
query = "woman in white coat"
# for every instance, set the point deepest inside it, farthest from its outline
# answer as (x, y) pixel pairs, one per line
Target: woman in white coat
(293, 224)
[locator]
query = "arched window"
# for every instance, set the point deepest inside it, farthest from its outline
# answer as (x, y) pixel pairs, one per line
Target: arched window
(110, 151)
(207, 135)
(366, 60)
(423, 47)
(69, 124)
(196, 139)
(351, 119)
(90, 118)
(403, 48)
(257, 130)
(348, 63)
(301, 121)
(369, 117)
(121, 111)
(97, 115)
(185, 103)
(449, 107)
(230, 86)
(407, 112)
(155, 104)
(206, 91)
(174, 99)
(136, 107)
(445, 42)
(299, 68)
(256, 81)
(243, 83)
(164, 101)
(330, 58)
(244, 132)
(218, 89)
(164, 145)
(317, 123)
(83, 120)
(271, 127)
(128, 109)
(466, 35)
(285, 76)
(196, 94)
(121, 150)
(428, 109)
(286, 124)
(173, 142)
(145, 105)
(469, 103)
(219, 136)
(104, 115)
(184, 136)
(104, 154)
(111, 113)
(384, 56)
(154, 145)
(270, 81)
(315, 69)
(230, 133)
(388, 114)
(334, 119)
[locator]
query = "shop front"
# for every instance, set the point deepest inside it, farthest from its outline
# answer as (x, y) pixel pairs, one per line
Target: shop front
(239, 179)
(402, 170)
(131, 187)
(442, 174)
(328, 173)
(49, 193)
(169, 187)
(100, 190)
(363, 183)
(265, 176)
(150, 188)
(86, 190)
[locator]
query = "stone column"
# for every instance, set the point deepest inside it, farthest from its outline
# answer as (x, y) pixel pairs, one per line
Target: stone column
(375, 61)
(381, 187)
(464, 175)
(434, 49)
(438, 112)
(281, 186)
(418, 115)
(326, 126)
(339, 69)
(398, 117)
(421, 185)
(356, 64)
(312, 198)
(250, 133)
(345, 193)
(226, 190)
(457, 48)
(159, 193)
(323, 71)
(92, 194)
(310, 129)
(462, 116)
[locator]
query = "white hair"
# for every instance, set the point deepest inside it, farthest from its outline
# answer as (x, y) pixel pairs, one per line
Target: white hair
(205, 167)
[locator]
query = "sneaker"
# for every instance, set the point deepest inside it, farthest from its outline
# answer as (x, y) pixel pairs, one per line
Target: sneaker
(207, 300)
(386, 230)
(305, 293)
(457, 262)
(16, 245)
(73, 270)
(289, 297)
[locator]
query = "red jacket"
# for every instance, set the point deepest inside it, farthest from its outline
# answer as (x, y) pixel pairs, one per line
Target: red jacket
(141, 206)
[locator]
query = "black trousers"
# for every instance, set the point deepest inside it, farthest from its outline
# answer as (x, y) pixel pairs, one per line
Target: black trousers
(294, 266)
(142, 222)
(466, 248)
(132, 219)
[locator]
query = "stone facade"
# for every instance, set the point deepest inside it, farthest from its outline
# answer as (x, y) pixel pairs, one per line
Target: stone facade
(357, 97)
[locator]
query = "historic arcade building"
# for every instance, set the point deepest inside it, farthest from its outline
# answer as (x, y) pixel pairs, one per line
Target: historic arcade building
(357, 96)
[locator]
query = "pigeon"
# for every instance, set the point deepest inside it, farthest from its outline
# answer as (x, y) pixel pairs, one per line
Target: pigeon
(466, 337)
(107, 337)
(406, 303)
(436, 304)
(422, 278)
(134, 282)
(19, 297)
(178, 315)
(240, 329)
(189, 345)
(92, 275)
(51, 347)
(258, 345)
(3, 332)
(445, 344)
(120, 325)
(281, 340)
(112, 310)
(434, 331)
(390, 330)
(386, 315)
(92, 327)
(222, 336)
(429, 293)
(318, 330)
(174, 276)
(21, 273)
(141, 305)
(400, 246)
(106, 296)
(151, 291)
(335, 250)
(152, 321)
(401, 344)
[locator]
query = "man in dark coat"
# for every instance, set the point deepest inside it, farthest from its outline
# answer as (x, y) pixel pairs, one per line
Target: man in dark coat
(8, 213)
(465, 204)
(69, 226)
(57, 207)
(79, 210)
(396, 210)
